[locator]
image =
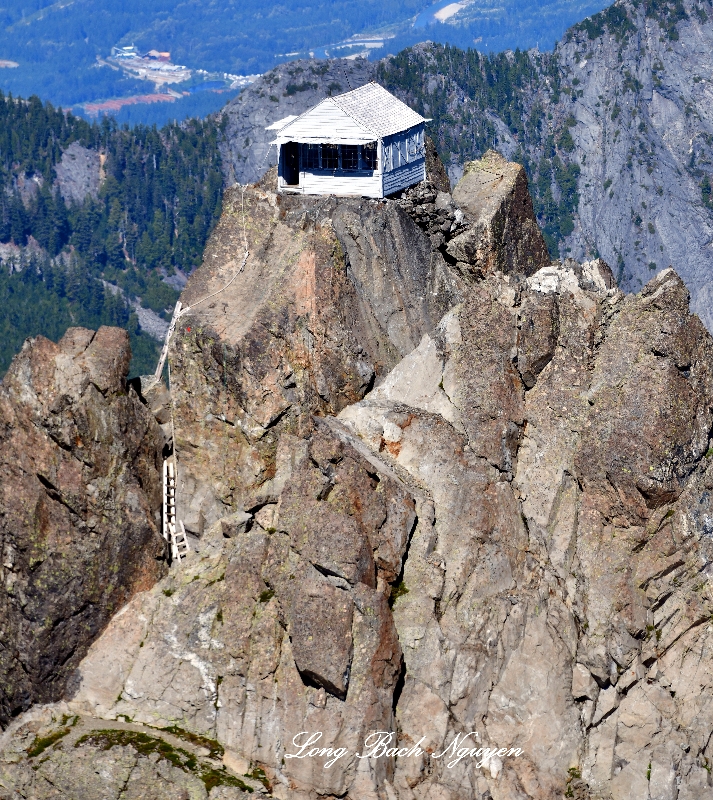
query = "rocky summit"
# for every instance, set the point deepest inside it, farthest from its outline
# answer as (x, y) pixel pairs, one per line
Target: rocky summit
(435, 486)
(615, 128)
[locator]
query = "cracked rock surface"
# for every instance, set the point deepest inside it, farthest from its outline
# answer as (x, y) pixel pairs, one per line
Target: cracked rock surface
(431, 500)
(80, 498)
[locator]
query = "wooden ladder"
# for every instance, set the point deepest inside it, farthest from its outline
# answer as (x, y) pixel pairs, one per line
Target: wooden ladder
(176, 538)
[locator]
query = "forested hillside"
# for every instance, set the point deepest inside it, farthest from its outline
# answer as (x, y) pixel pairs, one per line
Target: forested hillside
(474, 99)
(145, 215)
(615, 128)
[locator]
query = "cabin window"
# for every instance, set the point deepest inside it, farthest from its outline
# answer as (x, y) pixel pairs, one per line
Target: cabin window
(347, 157)
(330, 156)
(350, 157)
(412, 145)
(369, 155)
(310, 156)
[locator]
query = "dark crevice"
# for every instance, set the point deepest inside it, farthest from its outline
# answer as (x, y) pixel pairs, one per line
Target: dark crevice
(400, 683)
(62, 445)
(602, 683)
(398, 587)
(660, 601)
(667, 571)
(277, 418)
(315, 681)
(135, 384)
(327, 572)
(54, 493)
(370, 383)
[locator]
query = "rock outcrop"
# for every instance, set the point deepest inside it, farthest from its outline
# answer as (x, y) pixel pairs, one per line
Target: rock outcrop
(503, 234)
(469, 508)
(80, 503)
(615, 127)
(79, 173)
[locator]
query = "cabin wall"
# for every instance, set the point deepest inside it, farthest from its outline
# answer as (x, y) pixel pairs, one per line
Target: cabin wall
(357, 185)
(403, 148)
(404, 159)
(325, 118)
(403, 177)
(402, 163)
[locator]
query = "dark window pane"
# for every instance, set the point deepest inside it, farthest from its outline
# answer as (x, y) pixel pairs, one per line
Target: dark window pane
(311, 156)
(350, 157)
(369, 155)
(330, 156)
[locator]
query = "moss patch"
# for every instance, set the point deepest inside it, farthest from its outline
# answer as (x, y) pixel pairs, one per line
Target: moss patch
(145, 745)
(216, 749)
(258, 774)
(41, 744)
(397, 590)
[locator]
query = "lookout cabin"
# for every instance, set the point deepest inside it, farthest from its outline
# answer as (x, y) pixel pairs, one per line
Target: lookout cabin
(363, 143)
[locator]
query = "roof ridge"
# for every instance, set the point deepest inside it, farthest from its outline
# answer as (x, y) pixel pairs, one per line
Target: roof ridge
(372, 109)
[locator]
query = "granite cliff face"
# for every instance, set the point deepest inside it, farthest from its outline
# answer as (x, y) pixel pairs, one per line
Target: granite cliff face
(79, 507)
(641, 99)
(615, 126)
(434, 487)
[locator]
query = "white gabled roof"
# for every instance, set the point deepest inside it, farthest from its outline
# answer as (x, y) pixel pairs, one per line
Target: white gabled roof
(362, 115)
(276, 126)
(377, 110)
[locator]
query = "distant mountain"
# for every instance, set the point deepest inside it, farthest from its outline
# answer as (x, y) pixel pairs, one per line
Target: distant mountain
(61, 47)
(615, 129)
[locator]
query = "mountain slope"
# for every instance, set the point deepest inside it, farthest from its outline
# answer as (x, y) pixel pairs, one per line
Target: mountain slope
(426, 498)
(615, 128)
(97, 223)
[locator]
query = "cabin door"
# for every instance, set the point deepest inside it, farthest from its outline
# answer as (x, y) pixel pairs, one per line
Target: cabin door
(291, 163)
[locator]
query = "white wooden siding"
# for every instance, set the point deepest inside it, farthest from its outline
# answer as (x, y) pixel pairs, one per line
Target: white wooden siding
(343, 184)
(326, 123)
(405, 176)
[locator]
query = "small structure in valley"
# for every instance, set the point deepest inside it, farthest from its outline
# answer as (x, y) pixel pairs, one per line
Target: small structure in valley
(363, 143)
